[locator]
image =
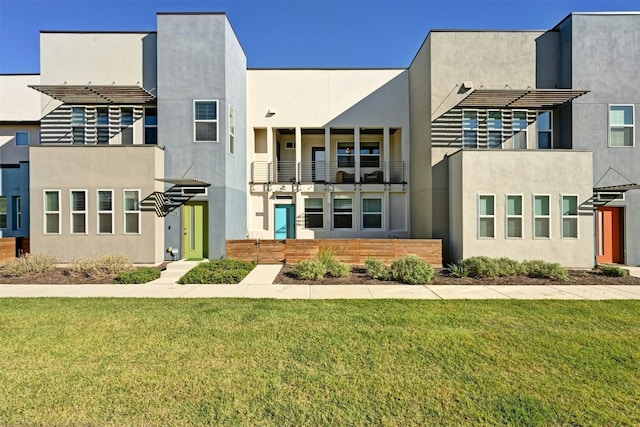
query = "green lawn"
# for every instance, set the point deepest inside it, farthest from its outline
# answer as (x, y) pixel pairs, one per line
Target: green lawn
(274, 362)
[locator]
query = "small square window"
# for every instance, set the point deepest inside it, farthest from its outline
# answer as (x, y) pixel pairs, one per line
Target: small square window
(22, 138)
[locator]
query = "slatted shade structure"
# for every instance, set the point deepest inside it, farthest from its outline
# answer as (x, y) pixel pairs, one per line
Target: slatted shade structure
(618, 188)
(519, 98)
(97, 94)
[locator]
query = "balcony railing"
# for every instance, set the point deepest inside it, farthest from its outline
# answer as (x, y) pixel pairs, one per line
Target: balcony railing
(340, 172)
(313, 171)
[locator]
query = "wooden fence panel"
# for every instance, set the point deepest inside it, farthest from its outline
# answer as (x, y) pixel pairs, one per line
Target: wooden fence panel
(7, 248)
(383, 249)
(271, 252)
(429, 250)
(245, 250)
(345, 250)
(301, 249)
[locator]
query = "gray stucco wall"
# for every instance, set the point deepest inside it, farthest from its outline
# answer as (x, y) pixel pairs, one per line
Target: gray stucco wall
(196, 52)
(606, 59)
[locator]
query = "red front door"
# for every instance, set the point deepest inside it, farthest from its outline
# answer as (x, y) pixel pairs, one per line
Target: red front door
(610, 240)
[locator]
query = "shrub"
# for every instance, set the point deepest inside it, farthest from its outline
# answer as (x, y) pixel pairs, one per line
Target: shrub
(545, 270)
(338, 269)
(101, 266)
(412, 270)
(326, 256)
(311, 270)
(139, 275)
(613, 271)
(29, 265)
(376, 269)
(458, 270)
(480, 266)
(217, 272)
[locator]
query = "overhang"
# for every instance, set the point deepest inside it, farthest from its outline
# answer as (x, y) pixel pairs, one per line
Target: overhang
(96, 94)
(618, 188)
(184, 182)
(519, 98)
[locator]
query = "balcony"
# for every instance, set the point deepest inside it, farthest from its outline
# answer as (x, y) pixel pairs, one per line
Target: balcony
(340, 172)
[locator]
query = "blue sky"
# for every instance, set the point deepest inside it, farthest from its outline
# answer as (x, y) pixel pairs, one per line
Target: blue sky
(301, 33)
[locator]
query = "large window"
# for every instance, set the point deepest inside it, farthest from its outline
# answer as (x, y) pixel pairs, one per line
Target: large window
(519, 128)
(126, 126)
(342, 212)
(345, 155)
(569, 217)
(232, 130)
(78, 211)
(131, 211)
(151, 126)
(371, 212)
(621, 126)
(486, 216)
(22, 138)
(3, 212)
(469, 129)
(314, 212)
(541, 217)
(78, 122)
(205, 121)
(514, 216)
(494, 129)
(370, 154)
(545, 129)
(105, 211)
(52, 212)
(102, 125)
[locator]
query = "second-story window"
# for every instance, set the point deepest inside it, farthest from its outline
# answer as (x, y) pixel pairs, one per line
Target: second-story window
(205, 121)
(151, 126)
(494, 129)
(545, 130)
(621, 128)
(519, 128)
(232, 130)
(102, 125)
(469, 129)
(345, 155)
(370, 154)
(78, 122)
(126, 125)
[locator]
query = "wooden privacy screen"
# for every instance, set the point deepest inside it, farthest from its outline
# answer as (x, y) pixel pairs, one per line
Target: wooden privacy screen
(351, 251)
(7, 248)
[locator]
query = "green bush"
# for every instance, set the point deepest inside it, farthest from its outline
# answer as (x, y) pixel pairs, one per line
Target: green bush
(221, 271)
(309, 270)
(101, 266)
(480, 266)
(29, 265)
(545, 270)
(458, 270)
(139, 275)
(377, 269)
(508, 267)
(412, 270)
(613, 271)
(326, 256)
(338, 269)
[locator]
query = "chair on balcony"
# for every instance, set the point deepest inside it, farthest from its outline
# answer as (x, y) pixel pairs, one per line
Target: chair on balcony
(375, 176)
(345, 177)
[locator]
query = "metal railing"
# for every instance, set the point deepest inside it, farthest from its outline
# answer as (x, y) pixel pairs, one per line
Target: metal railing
(340, 172)
(284, 171)
(261, 172)
(313, 171)
(396, 172)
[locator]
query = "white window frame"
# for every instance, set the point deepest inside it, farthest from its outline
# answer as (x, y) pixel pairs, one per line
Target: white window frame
(632, 125)
(313, 213)
(125, 211)
(46, 212)
(509, 216)
(104, 212)
(22, 132)
(73, 212)
(381, 213)
(333, 212)
(535, 216)
(495, 130)
(468, 129)
(524, 131)
(563, 216)
(18, 212)
(549, 131)
(195, 122)
(6, 212)
(232, 130)
(480, 195)
(148, 126)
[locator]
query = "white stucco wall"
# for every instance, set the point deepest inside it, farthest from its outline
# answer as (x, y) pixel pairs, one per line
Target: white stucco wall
(18, 102)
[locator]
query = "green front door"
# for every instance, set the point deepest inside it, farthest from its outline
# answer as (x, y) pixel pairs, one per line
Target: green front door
(195, 230)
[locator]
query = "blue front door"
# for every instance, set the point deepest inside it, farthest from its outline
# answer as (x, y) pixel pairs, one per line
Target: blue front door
(285, 222)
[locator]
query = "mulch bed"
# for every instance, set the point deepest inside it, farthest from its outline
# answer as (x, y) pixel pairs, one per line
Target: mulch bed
(60, 276)
(358, 277)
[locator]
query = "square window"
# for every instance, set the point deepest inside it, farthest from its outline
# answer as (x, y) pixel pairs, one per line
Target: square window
(314, 212)
(206, 121)
(372, 213)
(22, 138)
(621, 126)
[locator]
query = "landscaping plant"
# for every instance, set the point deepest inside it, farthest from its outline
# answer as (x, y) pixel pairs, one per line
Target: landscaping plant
(613, 271)
(223, 271)
(377, 269)
(101, 265)
(309, 270)
(412, 270)
(545, 270)
(29, 265)
(139, 275)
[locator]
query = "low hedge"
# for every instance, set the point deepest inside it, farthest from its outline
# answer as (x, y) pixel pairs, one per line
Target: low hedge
(223, 271)
(139, 275)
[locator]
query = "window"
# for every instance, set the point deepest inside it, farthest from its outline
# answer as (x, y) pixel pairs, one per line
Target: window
(370, 154)
(514, 216)
(206, 121)
(494, 129)
(342, 212)
(78, 122)
(102, 125)
(151, 126)
(313, 212)
(345, 155)
(22, 138)
(519, 127)
(621, 126)
(371, 212)
(126, 128)
(469, 129)
(105, 211)
(3, 212)
(541, 217)
(52, 212)
(78, 211)
(232, 130)
(545, 130)
(131, 211)
(17, 212)
(486, 217)
(569, 217)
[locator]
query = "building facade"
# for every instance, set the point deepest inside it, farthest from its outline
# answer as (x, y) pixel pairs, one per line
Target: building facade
(500, 143)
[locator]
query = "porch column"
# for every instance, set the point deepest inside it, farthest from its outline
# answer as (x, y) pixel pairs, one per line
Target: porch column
(327, 155)
(386, 150)
(270, 153)
(298, 143)
(386, 211)
(356, 152)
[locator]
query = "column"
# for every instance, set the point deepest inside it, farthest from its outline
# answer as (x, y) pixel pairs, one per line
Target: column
(356, 151)
(298, 143)
(386, 150)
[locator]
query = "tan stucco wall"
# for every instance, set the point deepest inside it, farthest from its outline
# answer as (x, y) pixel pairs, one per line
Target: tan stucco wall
(91, 168)
(17, 100)
(527, 173)
(10, 153)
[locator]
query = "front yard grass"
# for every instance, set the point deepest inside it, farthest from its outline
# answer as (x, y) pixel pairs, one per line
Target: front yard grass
(274, 362)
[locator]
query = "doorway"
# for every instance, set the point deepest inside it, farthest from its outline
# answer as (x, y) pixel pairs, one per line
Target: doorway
(317, 164)
(285, 218)
(195, 230)
(610, 235)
